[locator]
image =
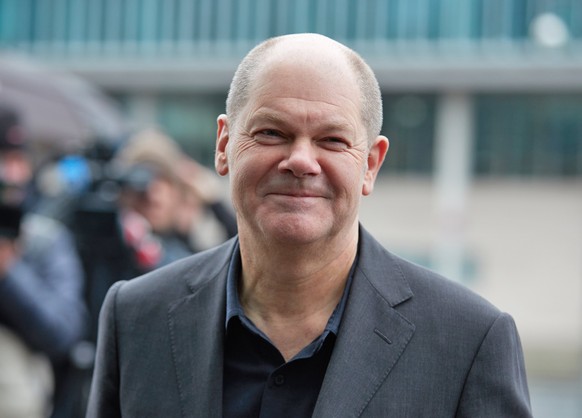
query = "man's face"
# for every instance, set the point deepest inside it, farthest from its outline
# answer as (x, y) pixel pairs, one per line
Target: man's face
(298, 154)
(15, 168)
(158, 204)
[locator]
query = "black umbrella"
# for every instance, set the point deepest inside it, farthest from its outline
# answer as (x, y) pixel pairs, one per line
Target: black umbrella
(60, 113)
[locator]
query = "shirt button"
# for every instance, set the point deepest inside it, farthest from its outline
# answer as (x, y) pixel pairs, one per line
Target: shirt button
(279, 380)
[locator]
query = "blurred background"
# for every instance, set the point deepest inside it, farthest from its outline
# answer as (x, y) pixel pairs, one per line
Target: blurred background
(483, 108)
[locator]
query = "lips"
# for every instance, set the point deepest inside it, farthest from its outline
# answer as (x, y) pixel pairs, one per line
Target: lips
(295, 189)
(298, 194)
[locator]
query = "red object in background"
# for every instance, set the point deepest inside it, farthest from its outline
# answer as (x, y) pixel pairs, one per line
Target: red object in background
(138, 235)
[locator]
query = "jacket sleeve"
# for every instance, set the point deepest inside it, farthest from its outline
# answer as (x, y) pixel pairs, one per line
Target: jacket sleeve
(496, 385)
(104, 399)
(41, 296)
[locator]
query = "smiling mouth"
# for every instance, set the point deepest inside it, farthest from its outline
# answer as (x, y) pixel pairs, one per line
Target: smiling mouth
(294, 200)
(296, 195)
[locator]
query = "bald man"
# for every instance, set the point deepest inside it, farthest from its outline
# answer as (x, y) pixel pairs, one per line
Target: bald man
(303, 313)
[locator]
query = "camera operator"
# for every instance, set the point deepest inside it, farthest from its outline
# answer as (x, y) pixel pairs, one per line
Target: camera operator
(170, 205)
(42, 312)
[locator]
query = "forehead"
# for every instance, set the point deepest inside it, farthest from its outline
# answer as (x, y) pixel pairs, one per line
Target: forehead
(303, 67)
(321, 84)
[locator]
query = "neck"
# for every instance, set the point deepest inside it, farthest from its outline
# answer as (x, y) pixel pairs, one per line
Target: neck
(290, 293)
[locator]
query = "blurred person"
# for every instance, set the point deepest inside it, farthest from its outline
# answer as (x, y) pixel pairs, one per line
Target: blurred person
(304, 313)
(171, 206)
(42, 312)
(204, 220)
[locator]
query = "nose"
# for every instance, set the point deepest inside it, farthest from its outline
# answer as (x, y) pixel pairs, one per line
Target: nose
(301, 159)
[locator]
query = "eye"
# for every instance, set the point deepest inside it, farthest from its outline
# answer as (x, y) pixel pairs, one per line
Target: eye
(269, 132)
(335, 143)
(269, 136)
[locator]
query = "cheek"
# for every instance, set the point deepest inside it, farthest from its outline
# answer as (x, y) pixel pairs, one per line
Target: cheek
(346, 175)
(250, 163)
(242, 175)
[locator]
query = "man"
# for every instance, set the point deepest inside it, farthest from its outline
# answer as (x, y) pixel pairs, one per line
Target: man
(304, 314)
(42, 310)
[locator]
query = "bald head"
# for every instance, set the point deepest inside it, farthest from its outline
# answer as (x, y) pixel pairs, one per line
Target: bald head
(309, 49)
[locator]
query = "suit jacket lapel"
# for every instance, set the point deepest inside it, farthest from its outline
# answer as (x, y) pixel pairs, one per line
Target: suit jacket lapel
(372, 335)
(196, 325)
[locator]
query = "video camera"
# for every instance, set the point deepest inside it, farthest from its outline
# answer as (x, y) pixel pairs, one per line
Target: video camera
(10, 219)
(11, 210)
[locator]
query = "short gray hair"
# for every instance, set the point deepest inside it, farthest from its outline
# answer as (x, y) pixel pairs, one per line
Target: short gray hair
(371, 98)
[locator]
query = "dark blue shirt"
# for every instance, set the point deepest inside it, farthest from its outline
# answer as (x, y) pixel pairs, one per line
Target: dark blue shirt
(257, 380)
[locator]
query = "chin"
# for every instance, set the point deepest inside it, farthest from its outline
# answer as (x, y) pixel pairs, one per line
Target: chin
(295, 230)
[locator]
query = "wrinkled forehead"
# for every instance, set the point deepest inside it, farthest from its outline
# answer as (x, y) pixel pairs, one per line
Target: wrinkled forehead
(307, 71)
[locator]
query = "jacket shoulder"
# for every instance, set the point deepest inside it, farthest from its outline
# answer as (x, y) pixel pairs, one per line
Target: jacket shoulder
(434, 289)
(182, 277)
(406, 284)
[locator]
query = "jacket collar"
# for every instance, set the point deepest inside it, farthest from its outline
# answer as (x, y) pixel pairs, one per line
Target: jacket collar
(196, 324)
(372, 335)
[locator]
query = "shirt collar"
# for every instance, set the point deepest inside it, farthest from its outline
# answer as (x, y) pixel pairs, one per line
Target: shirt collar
(234, 308)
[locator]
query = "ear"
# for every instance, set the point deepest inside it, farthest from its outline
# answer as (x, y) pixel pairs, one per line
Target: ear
(222, 138)
(375, 159)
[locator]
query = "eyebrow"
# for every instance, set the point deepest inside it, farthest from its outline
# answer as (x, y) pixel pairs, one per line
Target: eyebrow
(273, 117)
(262, 116)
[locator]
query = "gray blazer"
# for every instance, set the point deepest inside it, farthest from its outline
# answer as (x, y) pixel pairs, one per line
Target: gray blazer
(411, 344)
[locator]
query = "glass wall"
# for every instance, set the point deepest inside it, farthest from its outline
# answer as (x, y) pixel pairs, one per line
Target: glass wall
(114, 28)
(191, 120)
(529, 135)
(516, 135)
(409, 125)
